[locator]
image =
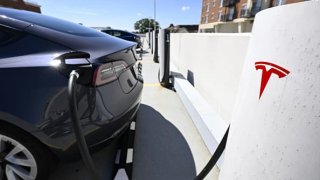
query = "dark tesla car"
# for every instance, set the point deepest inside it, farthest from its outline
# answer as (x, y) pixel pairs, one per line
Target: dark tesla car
(124, 35)
(37, 53)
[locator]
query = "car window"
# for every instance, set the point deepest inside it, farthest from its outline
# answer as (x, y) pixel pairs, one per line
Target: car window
(117, 33)
(53, 23)
(126, 34)
(108, 32)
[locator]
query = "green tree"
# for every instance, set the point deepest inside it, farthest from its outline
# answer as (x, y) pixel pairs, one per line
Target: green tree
(143, 25)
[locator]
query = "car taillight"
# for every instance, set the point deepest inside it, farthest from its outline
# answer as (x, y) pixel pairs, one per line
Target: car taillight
(109, 72)
(119, 67)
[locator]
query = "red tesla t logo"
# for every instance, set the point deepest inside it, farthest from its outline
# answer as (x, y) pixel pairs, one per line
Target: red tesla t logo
(267, 70)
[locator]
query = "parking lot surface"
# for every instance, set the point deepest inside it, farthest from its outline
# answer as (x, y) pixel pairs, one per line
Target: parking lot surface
(166, 143)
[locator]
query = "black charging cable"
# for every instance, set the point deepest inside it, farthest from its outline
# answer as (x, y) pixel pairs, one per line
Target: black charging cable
(74, 75)
(215, 157)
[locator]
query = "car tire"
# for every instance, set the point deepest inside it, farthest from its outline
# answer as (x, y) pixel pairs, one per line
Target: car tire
(23, 156)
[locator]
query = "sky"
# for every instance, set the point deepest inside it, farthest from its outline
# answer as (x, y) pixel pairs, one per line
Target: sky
(122, 14)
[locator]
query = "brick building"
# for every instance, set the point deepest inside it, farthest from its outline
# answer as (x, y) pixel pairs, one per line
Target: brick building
(20, 4)
(233, 15)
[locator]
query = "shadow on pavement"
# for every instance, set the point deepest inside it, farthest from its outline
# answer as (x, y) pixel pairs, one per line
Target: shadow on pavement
(103, 160)
(160, 150)
(142, 52)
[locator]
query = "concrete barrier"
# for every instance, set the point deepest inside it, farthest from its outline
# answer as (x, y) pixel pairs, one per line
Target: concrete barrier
(275, 127)
(212, 65)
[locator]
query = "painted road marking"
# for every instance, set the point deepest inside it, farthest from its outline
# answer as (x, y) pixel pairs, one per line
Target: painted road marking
(147, 62)
(151, 84)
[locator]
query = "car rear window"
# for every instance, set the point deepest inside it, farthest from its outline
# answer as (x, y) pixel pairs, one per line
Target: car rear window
(117, 33)
(108, 32)
(53, 23)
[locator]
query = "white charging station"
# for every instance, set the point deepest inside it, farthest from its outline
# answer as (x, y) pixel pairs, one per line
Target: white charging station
(275, 129)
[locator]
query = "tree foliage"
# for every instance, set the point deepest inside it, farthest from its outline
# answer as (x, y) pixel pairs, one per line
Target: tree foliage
(143, 25)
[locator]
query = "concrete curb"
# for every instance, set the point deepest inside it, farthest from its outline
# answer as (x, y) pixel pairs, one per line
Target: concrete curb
(210, 125)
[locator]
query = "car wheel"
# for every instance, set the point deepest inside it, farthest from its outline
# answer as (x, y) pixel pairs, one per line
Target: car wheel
(22, 157)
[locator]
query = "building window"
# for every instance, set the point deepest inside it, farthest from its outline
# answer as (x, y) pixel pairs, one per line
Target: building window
(245, 12)
(231, 13)
(256, 7)
(244, 6)
(208, 7)
(214, 3)
(280, 2)
(221, 3)
(220, 15)
(206, 20)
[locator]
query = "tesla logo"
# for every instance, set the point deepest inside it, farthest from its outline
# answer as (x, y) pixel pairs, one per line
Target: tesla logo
(267, 70)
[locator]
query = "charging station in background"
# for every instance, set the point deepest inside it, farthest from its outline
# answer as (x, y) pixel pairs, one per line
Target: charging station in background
(164, 57)
(148, 36)
(151, 45)
(275, 130)
(155, 45)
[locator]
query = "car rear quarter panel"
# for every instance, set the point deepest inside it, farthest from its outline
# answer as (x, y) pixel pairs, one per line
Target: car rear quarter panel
(34, 95)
